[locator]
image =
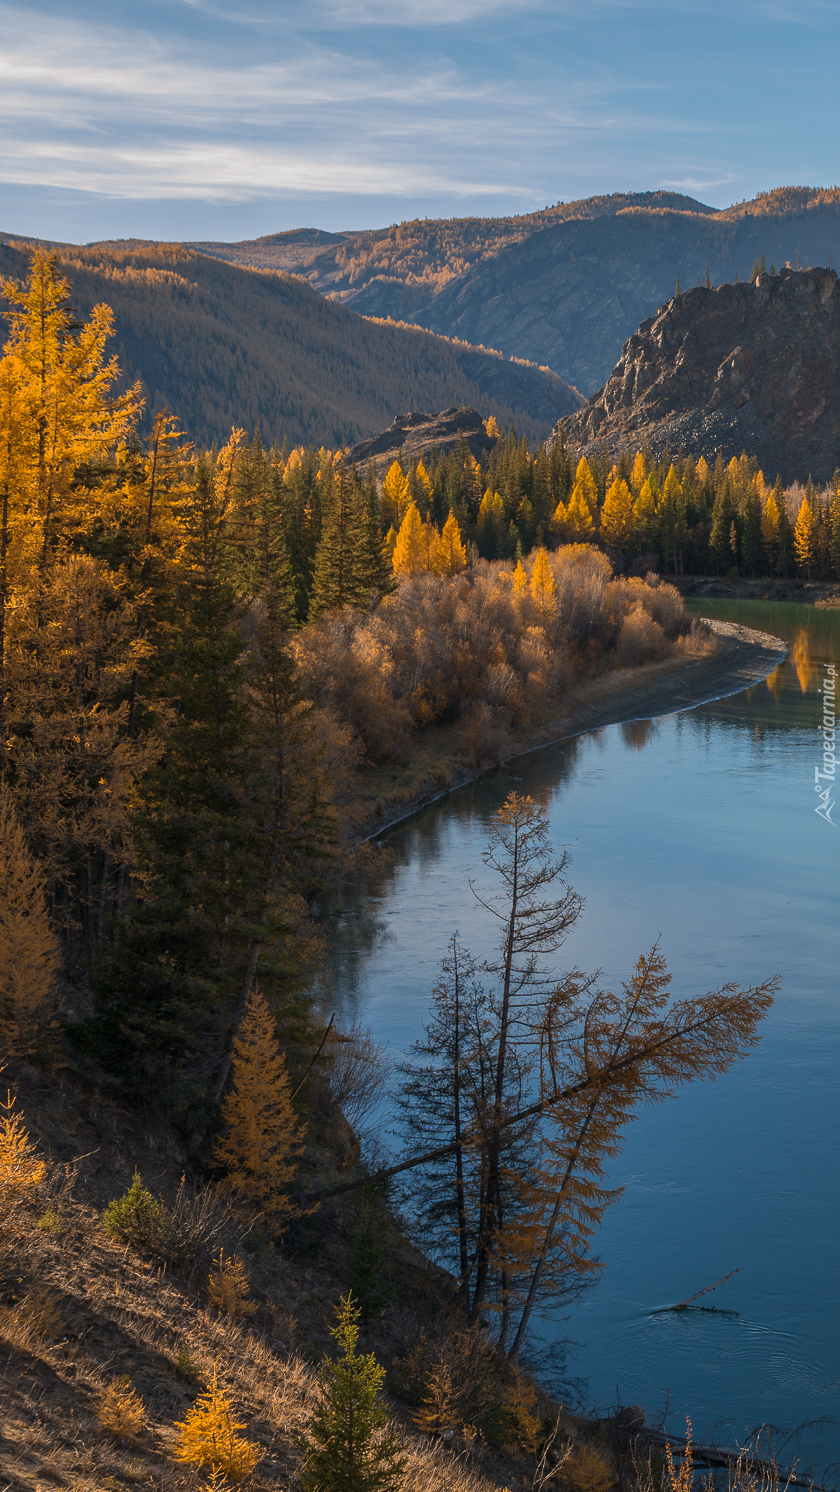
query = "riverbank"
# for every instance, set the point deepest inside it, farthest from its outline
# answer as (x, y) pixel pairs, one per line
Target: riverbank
(731, 659)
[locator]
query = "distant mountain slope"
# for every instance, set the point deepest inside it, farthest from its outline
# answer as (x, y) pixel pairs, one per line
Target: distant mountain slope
(564, 287)
(221, 345)
(751, 368)
(570, 295)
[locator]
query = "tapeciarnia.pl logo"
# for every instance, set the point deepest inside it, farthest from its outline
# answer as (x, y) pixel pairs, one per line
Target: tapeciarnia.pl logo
(827, 772)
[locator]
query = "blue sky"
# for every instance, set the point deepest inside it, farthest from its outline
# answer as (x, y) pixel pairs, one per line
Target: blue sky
(198, 119)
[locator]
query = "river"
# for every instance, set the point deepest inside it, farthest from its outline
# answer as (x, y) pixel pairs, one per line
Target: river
(699, 826)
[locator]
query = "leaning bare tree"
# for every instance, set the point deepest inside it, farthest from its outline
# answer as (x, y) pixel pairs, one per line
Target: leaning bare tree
(519, 1093)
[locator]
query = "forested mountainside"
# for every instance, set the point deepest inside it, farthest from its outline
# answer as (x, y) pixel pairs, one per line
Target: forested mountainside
(564, 287)
(571, 294)
(220, 346)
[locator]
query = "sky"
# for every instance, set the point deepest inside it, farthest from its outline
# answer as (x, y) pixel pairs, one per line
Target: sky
(228, 119)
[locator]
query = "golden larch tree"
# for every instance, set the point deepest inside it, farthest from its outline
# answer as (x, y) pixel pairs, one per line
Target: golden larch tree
(638, 476)
(29, 951)
(262, 1134)
(617, 515)
(396, 496)
(410, 550)
(579, 524)
(805, 535)
(585, 486)
(209, 1436)
(543, 584)
(520, 580)
(70, 414)
(645, 511)
(770, 520)
(450, 555)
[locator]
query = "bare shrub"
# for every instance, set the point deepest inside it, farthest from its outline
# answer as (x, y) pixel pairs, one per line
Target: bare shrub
(665, 604)
(640, 639)
(357, 1072)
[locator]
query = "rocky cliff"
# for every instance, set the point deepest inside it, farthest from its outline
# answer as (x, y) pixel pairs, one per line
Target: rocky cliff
(752, 367)
(415, 436)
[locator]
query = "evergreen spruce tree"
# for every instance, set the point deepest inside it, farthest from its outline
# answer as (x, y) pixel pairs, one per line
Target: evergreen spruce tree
(751, 539)
(708, 281)
(785, 531)
(805, 536)
(722, 516)
(342, 559)
(344, 1451)
(164, 998)
(29, 952)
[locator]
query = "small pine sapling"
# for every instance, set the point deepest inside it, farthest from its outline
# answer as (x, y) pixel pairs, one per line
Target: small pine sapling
(134, 1217)
(186, 1366)
(121, 1410)
(209, 1437)
(348, 1448)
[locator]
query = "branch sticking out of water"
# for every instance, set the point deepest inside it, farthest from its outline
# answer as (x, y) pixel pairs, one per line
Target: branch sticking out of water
(681, 1304)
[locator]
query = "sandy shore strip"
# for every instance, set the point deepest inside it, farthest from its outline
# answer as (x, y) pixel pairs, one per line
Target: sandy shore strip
(742, 658)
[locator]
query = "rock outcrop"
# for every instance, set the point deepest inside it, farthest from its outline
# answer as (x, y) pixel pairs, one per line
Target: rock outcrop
(746, 367)
(416, 435)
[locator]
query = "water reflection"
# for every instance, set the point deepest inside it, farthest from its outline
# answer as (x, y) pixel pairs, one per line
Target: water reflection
(699, 826)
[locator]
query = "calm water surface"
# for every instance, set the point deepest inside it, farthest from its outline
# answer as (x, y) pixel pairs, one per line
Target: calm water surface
(699, 827)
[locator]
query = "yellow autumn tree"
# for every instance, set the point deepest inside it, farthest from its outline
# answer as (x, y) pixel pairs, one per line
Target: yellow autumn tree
(410, 550)
(29, 952)
(617, 515)
(420, 486)
(805, 536)
(21, 1167)
(638, 476)
(543, 584)
(585, 486)
(490, 513)
(70, 415)
(491, 425)
(770, 525)
(450, 556)
(645, 511)
(579, 524)
(396, 495)
(390, 544)
(209, 1436)
(262, 1135)
(702, 470)
(520, 580)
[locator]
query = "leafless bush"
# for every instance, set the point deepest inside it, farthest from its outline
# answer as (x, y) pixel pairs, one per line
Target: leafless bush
(192, 1228)
(640, 639)
(357, 1072)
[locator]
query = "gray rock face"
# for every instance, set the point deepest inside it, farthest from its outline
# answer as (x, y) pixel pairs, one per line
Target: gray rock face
(416, 435)
(743, 367)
